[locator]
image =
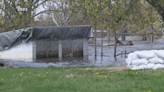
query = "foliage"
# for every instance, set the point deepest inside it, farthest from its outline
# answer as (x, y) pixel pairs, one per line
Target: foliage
(147, 16)
(158, 5)
(112, 13)
(11, 18)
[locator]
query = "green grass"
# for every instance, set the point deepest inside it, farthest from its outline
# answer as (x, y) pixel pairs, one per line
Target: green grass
(74, 79)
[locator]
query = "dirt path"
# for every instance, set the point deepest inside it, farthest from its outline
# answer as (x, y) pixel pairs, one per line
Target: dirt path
(108, 68)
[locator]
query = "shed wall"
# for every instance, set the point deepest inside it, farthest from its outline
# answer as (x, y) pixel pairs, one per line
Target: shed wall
(20, 51)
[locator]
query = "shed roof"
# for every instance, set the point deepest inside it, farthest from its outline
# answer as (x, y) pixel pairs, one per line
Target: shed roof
(12, 38)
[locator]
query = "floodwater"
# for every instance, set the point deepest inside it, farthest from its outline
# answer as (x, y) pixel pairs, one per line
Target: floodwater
(106, 59)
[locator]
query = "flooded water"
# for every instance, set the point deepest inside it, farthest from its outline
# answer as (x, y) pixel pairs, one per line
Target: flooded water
(106, 59)
(85, 61)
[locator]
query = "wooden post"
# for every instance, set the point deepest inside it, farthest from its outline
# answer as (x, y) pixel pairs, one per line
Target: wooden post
(125, 53)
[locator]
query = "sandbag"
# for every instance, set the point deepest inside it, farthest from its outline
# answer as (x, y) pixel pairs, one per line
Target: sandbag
(131, 56)
(139, 62)
(158, 66)
(153, 59)
(145, 54)
(156, 60)
(160, 53)
(150, 66)
(142, 67)
(133, 66)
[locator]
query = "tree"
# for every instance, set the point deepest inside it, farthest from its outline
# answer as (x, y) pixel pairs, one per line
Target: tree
(44, 20)
(92, 8)
(114, 14)
(62, 16)
(158, 5)
(11, 18)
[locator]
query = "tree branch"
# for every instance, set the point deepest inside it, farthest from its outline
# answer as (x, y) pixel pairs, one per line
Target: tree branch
(46, 11)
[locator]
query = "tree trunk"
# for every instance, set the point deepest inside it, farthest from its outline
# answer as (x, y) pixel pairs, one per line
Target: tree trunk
(95, 40)
(124, 35)
(108, 36)
(115, 46)
(118, 42)
(101, 44)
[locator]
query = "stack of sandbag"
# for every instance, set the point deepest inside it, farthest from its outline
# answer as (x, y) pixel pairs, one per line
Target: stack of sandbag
(152, 59)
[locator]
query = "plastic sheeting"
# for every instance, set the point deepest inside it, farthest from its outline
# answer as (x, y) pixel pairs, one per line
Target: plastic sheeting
(12, 38)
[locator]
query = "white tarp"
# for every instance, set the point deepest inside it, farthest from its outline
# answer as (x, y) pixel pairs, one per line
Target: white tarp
(152, 59)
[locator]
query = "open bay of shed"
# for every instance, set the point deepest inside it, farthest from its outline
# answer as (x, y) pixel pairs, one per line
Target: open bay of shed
(61, 48)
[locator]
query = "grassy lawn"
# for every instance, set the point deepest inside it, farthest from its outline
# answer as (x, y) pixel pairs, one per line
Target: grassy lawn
(75, 79)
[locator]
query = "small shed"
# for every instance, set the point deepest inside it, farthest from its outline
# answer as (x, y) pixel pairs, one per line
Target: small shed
(45, 42)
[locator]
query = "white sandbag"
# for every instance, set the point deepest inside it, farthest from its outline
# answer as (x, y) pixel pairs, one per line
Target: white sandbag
(158, 66)
(154, 51)
(150, 66)
(133, 66)
(142, 67)
(131, 56)
(160, 53)
(139, 62)
(145, 54)
(128, 61)
(156, 60)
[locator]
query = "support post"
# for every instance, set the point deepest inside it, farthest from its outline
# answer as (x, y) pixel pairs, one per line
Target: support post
(85, 47)
(60, 49)
(125, 53)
